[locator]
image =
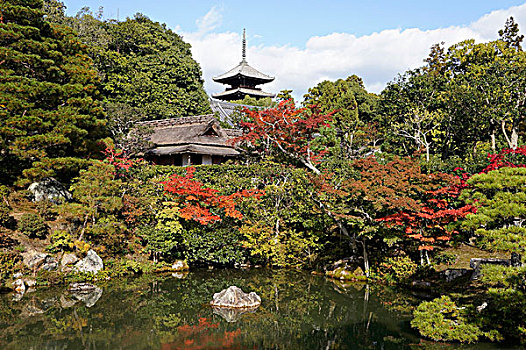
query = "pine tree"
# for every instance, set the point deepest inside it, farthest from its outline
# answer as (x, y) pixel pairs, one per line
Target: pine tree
(500, 199)
(50, 114)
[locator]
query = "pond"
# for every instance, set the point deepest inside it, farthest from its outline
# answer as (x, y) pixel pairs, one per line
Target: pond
(298, 311)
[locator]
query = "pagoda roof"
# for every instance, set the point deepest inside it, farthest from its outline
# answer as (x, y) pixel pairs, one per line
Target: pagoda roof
(241, 92)
(243, 69)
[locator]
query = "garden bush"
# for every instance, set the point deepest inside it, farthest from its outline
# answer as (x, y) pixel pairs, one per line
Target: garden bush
(442, 320)
(6, 220)
(397, 269)
(33, 226)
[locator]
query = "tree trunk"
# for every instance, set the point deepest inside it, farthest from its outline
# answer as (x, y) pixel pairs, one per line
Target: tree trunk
(365, 258)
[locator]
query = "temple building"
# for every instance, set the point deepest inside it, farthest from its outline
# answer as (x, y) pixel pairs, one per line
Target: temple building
(190, 141)
(243, 80)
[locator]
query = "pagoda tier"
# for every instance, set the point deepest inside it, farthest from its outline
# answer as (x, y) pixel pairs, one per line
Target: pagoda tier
(243, 80)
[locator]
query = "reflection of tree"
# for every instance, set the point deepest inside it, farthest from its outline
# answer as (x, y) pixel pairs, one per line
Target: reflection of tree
(298, 311)
(202, 336)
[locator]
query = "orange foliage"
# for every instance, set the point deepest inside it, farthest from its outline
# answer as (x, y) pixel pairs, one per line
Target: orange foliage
(203, 204)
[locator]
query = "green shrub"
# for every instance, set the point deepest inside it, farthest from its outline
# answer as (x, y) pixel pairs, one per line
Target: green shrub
(442, 320)
(397, 269)
(47, 210)
(6, 220)
(33, 226)
(60, 240)
(446, 258)
(8, 262)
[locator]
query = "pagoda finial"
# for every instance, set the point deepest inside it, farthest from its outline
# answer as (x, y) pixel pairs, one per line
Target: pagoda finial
(244, 47)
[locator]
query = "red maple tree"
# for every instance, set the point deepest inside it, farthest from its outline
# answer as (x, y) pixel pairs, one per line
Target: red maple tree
(202, 204)
(286, 129)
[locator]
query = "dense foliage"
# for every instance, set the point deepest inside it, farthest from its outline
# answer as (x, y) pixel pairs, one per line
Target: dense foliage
(50, 112)
(142, 64)
(387, 184)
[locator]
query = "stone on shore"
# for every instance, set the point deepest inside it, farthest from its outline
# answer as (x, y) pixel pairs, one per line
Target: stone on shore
(180, 265)
(92, 263)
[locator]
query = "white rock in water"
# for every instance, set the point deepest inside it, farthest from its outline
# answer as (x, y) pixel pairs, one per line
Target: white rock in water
(234, 297)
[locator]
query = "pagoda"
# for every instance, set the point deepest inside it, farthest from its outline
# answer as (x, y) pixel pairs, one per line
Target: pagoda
(243, 80)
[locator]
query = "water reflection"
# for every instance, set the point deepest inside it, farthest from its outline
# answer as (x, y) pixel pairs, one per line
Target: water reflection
(298, 311)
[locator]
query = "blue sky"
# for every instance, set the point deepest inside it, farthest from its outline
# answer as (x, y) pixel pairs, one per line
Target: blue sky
(305, 42)
(294, 22)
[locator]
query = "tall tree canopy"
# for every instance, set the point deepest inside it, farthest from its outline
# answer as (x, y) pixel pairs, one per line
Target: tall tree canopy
(50, 113)
(354, 113)
(468, 97)
(142, 63)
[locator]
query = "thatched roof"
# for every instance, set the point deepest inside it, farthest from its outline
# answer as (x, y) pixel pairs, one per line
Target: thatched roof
(198, 134)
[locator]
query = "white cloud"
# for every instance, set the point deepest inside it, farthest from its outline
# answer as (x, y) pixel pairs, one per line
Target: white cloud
(377, 57)
(210, 21)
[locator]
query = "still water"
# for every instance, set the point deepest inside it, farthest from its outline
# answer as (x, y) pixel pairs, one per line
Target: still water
(298, 311)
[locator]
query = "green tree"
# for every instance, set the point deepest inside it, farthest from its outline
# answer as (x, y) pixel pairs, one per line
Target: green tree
(354, 109)
(141, 63)
(500, 197)
(50, 115)
(510, 34)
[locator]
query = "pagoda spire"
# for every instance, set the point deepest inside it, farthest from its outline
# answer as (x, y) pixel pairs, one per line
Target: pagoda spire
(243, 79)
(244, 47)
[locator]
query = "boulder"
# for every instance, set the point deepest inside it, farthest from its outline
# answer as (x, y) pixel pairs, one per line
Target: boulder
(180, 265)
(452, 274)
(19, 286)
(421, 284)
(49, 189)
(92, 263)
(68, 259)
(349, 263)
(34, 261)
(30, 282)
(50, 264)
(234, 297)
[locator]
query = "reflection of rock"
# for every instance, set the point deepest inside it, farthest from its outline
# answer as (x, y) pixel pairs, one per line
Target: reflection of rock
(88, 293)
(92, 263)
(66, 302)
(180, 265)
(180, 275)
(81, 287)
(49, 189)
(232, 315)
(31, 310)
(234, 297)
(343, 285)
